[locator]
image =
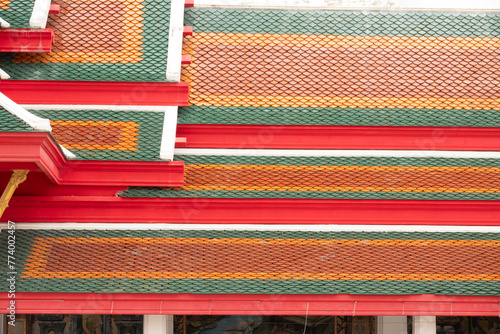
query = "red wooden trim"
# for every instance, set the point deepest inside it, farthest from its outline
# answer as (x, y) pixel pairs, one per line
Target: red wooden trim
(186, 59)
(54, 9)
(91, 92)
(220, 304)
(187, 31)
(41, 149)
(189, 3)
(339, 137)
(251, 211)
(26, 40)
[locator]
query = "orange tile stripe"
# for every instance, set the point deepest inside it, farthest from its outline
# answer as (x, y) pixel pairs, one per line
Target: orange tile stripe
(449, 251)
(336, 41)
(343, 102)
(342, 178)
(97, 135)
(130, 49)
(4, 4)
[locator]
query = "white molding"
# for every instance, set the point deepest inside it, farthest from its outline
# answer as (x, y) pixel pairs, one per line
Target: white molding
(67, 153)
(371, 5)
(175, 36)
(255, 227)
(91, 107)
(168, 135)
(40, 14)
(339, 153)
(4, 24)
(4, 75)
(37, 123)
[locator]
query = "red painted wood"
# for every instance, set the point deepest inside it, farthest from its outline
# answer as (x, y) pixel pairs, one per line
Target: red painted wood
(41, 149)
(91, 92)
(251, 211)
(26, 40)
(223, 304)
(186, 59)
(339, 137)
(187, 31)
(54, 9)
(189, 3)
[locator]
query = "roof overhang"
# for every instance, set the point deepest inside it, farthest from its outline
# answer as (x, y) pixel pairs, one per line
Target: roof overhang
(220, 304)
(38, 151)
(93, 92)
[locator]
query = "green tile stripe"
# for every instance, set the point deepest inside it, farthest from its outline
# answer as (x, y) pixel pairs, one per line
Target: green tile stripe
(152, 68)
(336, 161)
(338, 116)
(19, 13)
(248, 194)
(24, 240)
(247, 286)
(10, 123)
(366, 23)
(150, 132)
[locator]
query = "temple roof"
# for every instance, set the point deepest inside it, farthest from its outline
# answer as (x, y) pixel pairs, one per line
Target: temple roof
(253, 262)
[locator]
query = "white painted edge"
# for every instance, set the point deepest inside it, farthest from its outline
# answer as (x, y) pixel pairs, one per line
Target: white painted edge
(340, 153)
(37, 123)
(67, 153)
(4, 24)
(254, 227)
(175, 36)
(40, 14)
(91, 107)
(4, 75)
(168, 135)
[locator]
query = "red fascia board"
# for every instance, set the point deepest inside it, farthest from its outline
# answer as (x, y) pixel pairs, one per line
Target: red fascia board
(94, 92)
(40, 148)
(339, 137)
(252, 304)
(251, 211)
(26, 40)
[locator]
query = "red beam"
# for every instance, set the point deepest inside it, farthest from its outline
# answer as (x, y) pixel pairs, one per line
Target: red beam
(189, 3)
(251, 211)
(54, 9)
(92, 92)
(254, 304)
(339, 137)
(26, 40)
(187, 31)
(41, 149)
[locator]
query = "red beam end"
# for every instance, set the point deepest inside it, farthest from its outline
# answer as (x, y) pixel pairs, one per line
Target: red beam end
(189, 3)
(26, 40)
(54, 9)
(187, 31)
(186, 59)
(180, 142)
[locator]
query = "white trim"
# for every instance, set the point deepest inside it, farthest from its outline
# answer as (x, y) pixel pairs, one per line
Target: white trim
(255, 227)
(339, 153)
(375, 5)
(91, 107)
(424, 324)
(4, 75)
(175, 36)
(67, 153)
(168, 135)
(4, 24)
(37, 123)
(158, 324)
(40, 14)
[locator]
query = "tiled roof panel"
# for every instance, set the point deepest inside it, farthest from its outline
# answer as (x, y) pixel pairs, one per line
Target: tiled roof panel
(258, 262)
(127, 43)
(334, 178)
(107, 135)
(342, 68)
(11, 123)
(16, 12)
